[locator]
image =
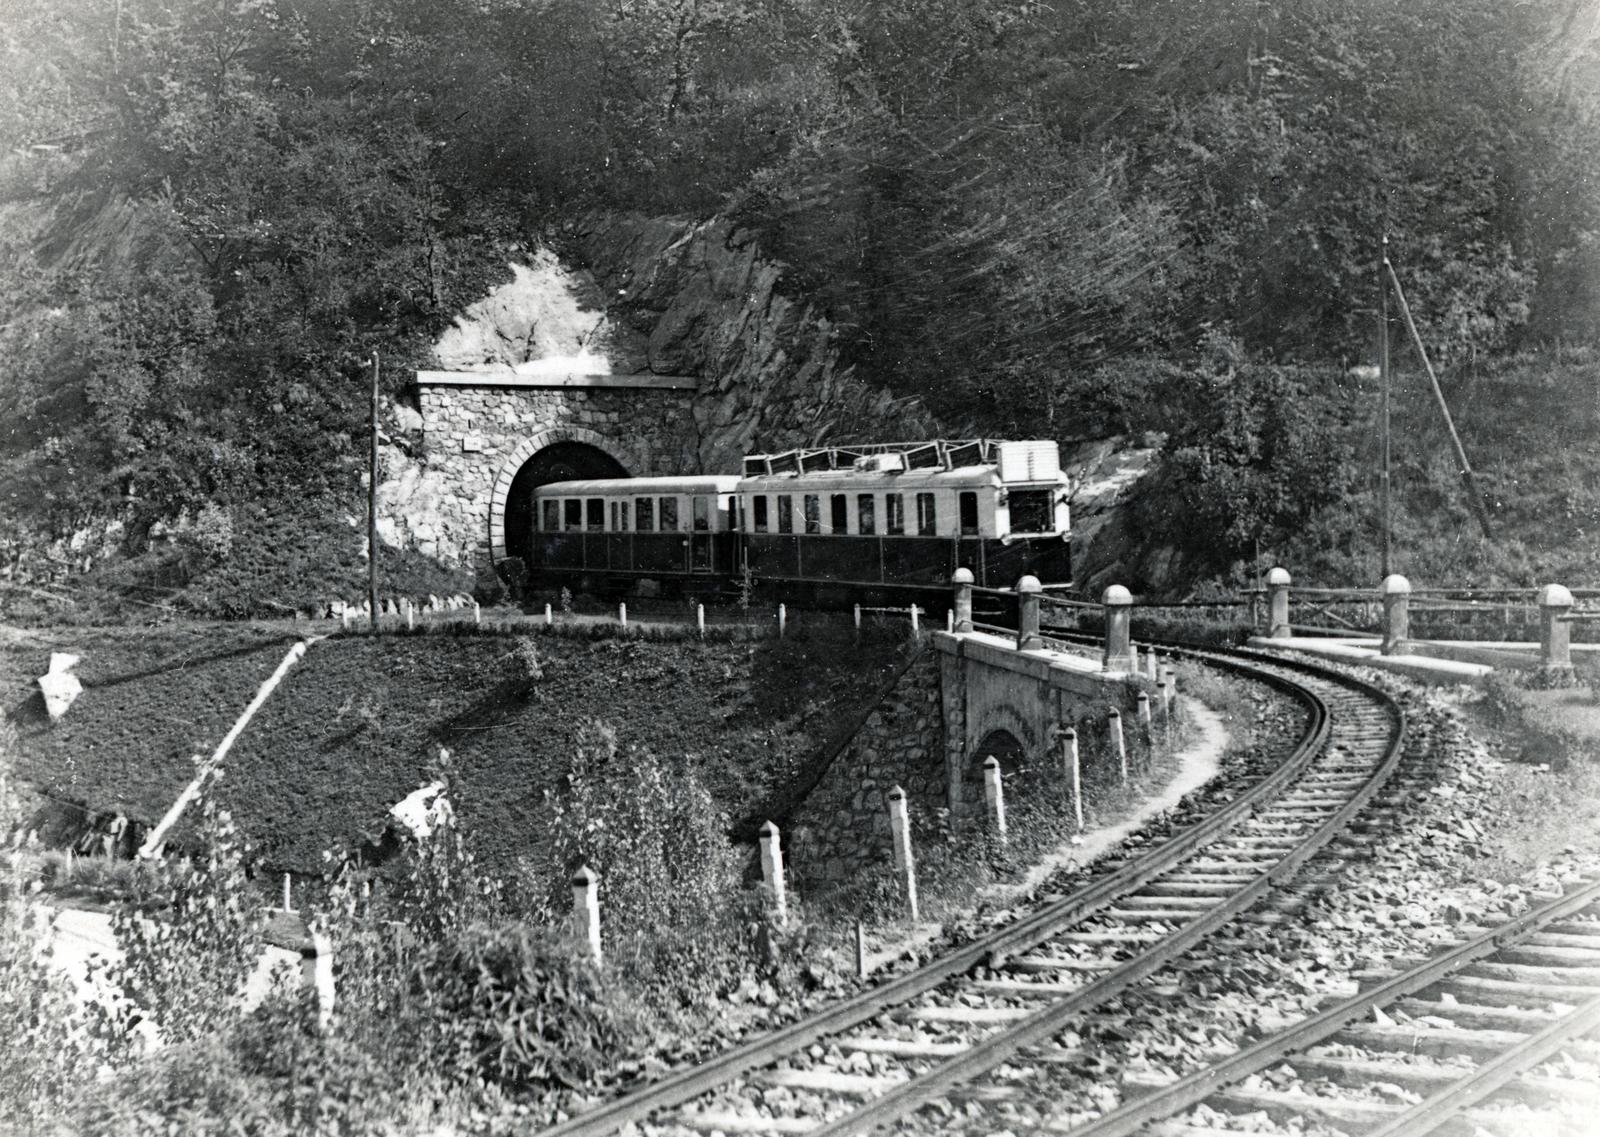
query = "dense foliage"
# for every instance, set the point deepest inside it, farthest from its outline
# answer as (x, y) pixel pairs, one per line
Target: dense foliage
(212, 213)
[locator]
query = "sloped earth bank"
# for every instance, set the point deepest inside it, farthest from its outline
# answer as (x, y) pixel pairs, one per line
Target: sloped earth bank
(1428, 882)
(358, 724)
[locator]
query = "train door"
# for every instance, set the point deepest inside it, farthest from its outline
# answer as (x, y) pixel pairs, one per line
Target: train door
(969, 544)
(700, 534)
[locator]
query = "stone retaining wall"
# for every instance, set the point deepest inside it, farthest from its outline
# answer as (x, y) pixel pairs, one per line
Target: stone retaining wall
(843, 825)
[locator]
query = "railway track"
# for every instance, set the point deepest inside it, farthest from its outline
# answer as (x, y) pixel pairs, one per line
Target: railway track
(1495, 1035)
(891, 1049)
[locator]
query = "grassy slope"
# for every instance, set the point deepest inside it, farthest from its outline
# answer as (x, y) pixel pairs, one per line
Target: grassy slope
(357, 725)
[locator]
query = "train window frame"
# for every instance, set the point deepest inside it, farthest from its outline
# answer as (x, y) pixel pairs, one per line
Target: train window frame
(839, 513)
(1039, 502)
(785, 513)
(927, 515)
(550, 515)
(759, 513)
(594, 514)
(572, 514)
(669, 515)
(867, 514)
(811, 510)
(700, 513)
(644, 515)
(620, 515)
(894, 514)
(967, 505)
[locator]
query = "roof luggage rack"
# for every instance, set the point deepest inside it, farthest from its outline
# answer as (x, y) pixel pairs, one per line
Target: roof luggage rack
(931, 455)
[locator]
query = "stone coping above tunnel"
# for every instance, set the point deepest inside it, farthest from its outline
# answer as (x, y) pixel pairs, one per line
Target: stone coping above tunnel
(645, 381)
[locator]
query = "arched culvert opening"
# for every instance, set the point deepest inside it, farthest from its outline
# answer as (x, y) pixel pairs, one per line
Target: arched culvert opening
(1003, 745)
(558, 462)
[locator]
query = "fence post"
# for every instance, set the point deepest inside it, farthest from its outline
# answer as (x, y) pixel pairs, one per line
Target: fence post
(783, 619)
(1150, 663)
(1118, 744)
(1143, 704)
(411, 615)
(1028, 590)
(858, 621)
(700, 619)
(288, 905)
(1278, 606)
(1117, 605)
(622, 613)
(772, 870)
(586, 909)
(1555, 633)
(1070, 766)
(1396, 591)
(1169, 690)
(549, 616)
(994, 796)
(316, 972)
(963, 609)
(916, 626)
(950, 620)
(477, 614)
(344, 618)
(904, 863)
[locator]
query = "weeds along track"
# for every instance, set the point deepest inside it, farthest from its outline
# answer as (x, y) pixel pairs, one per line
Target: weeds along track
(944, 1029)
(1495, 1035)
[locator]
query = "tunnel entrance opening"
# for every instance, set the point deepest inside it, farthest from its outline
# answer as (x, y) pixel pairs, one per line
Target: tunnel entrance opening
(1003, 745)
(558, 462)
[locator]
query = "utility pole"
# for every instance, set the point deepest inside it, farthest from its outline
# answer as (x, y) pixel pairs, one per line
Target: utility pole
(372, 503)
(1383, 381)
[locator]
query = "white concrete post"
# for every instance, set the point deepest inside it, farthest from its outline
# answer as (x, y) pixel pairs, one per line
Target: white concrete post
(1555, 633)
(1150, 664)
(622, 613)
(1278, 606)
(1169, 690)
(858, 619)
(316, 972)
(994, 796)
(783, 619)
(904, 863)
(700, 619)
(1396, 591)
(477, 614)
(1074, 771)
(1143, 703)
(772, 870)
(1028, 590)
(950, 620)
(287, 905)
(1116, 603)
(344, 618)
(1118, 746)
(916, 626)
(586, 909)
(962, 616)
(411, 615)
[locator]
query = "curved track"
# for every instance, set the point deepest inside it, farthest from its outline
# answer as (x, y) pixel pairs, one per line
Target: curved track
(917, 1037)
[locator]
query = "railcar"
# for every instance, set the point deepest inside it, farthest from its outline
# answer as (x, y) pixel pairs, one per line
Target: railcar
(880, 523)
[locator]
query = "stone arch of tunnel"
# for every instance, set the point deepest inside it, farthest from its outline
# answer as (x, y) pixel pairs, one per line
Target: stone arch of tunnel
(559, 455)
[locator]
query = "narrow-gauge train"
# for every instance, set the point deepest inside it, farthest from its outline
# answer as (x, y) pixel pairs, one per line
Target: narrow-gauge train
(831, 525)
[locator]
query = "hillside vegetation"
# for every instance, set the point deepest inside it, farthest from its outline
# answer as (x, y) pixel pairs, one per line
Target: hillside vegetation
(1035, 218)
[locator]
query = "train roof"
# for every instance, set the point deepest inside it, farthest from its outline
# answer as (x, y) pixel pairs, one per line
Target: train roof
(964, 477)
(692, 484)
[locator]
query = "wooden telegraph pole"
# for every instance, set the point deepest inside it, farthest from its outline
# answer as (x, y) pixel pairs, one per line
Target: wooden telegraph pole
(372, 503)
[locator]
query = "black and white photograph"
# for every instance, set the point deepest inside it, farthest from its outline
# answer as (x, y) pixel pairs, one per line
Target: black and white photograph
(812, 568)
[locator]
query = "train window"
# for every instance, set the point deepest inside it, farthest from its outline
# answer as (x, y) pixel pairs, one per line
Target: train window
(702, 513)
(927, 516)
(1030, 511)
(551, 521)
(894, 514)
(669, 515)
(759, 513)
(572, 513)
(644, 514)
(785, 513)
(840, 507)
(594, 515)
(865, 517)
(619, 516)
(813, 511)
(968, 503)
